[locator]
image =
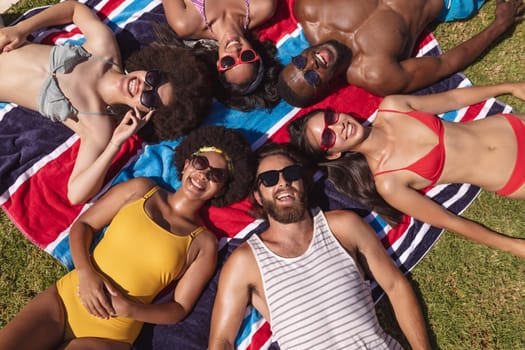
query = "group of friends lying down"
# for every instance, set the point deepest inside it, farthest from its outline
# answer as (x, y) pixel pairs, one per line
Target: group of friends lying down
(308, 270)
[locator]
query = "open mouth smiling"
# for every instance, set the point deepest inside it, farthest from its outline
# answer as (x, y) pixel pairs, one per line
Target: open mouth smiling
(285, 196)
(133, 87)
(197, 183)
(320, 60)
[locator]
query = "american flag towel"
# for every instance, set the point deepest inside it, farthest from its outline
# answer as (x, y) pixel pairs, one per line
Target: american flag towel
(38, 155)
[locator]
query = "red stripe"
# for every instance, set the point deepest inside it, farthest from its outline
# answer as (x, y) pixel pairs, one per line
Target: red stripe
(109, 7)
(282, 23)
(473, 112)
(396, 233)
(260, 337)
(103, 14)
(44, 195)
(348, 99)
(228, 221)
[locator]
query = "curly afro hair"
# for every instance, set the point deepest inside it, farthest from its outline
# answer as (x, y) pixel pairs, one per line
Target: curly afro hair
(191, 99)
(231, 142)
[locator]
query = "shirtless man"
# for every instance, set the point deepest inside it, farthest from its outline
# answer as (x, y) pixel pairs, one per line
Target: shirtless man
(372, 41)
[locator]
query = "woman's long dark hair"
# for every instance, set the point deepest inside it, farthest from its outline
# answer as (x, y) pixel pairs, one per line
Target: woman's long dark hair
(266, 94)
(350, 174)
(233, 95)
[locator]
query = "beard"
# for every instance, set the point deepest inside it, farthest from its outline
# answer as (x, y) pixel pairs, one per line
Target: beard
(287, 215)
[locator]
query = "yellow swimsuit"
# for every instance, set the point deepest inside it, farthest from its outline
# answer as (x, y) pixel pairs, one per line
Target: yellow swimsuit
(137, 255)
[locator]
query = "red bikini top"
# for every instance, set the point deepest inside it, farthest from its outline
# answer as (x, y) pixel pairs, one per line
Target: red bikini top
(430, 166)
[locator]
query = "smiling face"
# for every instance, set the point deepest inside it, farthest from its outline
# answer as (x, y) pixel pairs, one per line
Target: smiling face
(237, 62)
(199, 180)
(311, 73)
(334, 134)
(285, 201)
(146, 90)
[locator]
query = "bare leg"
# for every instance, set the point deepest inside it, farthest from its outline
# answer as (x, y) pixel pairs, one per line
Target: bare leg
(39, 325)
(95, 344)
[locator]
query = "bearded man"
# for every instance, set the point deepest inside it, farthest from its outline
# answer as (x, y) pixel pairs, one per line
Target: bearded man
(306, 273)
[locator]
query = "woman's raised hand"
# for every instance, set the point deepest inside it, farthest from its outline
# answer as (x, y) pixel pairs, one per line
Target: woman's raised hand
(130, 124)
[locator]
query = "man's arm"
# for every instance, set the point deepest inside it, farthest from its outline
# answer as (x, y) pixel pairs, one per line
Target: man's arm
(373, 256)
(233, 295)
(384, 77)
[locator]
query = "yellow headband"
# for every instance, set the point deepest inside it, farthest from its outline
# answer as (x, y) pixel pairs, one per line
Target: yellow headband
(219, 151)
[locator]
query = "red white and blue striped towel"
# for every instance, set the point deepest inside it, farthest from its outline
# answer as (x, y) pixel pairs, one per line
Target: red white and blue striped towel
(37, 156)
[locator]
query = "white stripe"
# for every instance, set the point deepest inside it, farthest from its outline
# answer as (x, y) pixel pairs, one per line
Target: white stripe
(8, 107)
(291, 35)
(428, 47)
(36, 167)
(64, 234)
(241, 234)
(278, 125)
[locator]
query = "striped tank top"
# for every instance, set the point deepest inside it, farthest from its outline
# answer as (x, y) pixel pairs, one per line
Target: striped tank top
(319, 300)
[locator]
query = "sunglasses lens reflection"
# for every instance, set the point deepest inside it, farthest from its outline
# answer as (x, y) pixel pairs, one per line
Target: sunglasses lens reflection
(215, 174)
(312, 78)
(149, 99)
(227, 61)
(247, 55)
(328, 139)
(153, 78)
(330, 117)
(299, 62)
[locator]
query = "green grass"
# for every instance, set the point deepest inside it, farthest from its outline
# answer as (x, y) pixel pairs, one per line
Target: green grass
(473, 297)
(25, 270)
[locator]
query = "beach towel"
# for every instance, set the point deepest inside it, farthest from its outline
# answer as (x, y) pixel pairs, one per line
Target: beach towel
(38, 155)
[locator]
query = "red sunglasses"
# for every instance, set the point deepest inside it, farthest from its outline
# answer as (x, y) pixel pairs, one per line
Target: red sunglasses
(328, 136)
(228, 61)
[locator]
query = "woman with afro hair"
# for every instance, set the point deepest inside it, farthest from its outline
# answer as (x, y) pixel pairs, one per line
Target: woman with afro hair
(87, 89)
(155, 237)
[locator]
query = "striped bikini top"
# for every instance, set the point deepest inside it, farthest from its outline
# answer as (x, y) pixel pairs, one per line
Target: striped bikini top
(200, 6)
(430, 166)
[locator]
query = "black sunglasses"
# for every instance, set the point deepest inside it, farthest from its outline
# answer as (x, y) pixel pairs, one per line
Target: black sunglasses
(311, 76)
(246, 56)
(271, 177)
(150, 98)
(217, 175)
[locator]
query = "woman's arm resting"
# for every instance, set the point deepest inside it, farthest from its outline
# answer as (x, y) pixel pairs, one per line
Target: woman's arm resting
(420, 207)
